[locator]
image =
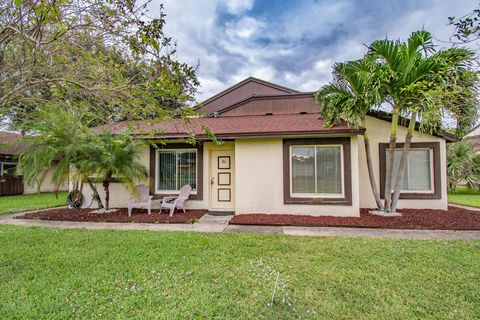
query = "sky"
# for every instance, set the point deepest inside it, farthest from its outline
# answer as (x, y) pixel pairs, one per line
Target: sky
(292, 43)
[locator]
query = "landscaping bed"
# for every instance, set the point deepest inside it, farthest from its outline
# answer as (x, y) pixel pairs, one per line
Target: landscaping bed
(121, 215)
(453, 219)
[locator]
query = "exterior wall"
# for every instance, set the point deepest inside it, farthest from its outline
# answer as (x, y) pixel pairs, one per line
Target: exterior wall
(290, 104)
(47, 185)
(259, 176)
(259, 179)
(379, 132)
(120, 196)
(242, 92)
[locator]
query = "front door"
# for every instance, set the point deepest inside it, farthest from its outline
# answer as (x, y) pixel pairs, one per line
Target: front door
(222, 180)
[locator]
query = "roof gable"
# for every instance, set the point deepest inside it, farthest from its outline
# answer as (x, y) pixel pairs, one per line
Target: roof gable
(293, 103)
(241, 91)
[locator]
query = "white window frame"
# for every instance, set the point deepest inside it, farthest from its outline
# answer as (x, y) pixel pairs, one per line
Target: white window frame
(432, 172)
(6, 162)
(157, 171)
(317, 195)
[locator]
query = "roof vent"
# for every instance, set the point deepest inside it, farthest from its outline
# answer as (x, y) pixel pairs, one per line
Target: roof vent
(269, 114)
(215, 114)
(303, 112)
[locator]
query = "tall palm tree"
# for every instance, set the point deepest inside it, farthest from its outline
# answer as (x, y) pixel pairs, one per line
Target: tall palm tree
(399, 68)
(114, 156)
(425, 85)
(352, 94)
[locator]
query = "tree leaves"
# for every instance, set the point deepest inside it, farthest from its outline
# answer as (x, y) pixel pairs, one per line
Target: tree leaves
(104, 58)
(463, 165)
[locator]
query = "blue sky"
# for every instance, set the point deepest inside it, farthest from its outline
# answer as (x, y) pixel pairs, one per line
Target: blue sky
(292, 43)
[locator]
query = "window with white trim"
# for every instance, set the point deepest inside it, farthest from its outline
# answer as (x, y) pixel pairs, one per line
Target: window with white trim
(316, 170)
(7, 168)
(176, 168)
(418, 170)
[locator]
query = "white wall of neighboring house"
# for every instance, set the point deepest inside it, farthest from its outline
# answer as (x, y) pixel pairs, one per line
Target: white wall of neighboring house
(47, 185)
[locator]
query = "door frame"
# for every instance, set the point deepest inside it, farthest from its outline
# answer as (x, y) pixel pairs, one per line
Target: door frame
(211, 162)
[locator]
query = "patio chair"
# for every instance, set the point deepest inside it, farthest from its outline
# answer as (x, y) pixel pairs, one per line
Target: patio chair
(172, 203)
(145, 201)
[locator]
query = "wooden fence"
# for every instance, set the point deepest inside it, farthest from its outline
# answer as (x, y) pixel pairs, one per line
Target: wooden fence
(11, 185)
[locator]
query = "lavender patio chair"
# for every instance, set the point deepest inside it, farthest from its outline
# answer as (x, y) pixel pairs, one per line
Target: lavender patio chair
(172, 203)
(145, 201)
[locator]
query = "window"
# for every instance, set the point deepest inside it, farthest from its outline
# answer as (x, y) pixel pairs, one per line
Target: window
(316, 170)
(418, 170)
(7, 168)
(176, 168)
(422, 178)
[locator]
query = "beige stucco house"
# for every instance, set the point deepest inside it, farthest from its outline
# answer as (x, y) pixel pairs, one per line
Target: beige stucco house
(10, 182)
(276, 157)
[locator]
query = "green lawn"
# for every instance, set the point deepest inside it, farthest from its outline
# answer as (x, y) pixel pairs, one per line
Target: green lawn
(465, 197)
(11, 204)
(63, 274)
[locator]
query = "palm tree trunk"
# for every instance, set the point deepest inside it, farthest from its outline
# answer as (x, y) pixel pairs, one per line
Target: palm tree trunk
(390, 159)
(106, 187)
(95, 196)
(371, 174)
(403, 161)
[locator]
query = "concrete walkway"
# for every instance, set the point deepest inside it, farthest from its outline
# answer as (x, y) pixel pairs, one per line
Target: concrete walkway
(464, 207)
(358, 232)
(219, 223)
(208, 223)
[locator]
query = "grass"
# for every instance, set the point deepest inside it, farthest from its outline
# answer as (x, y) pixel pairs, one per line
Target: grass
(62, 274)
(465, 197)
(19, 203)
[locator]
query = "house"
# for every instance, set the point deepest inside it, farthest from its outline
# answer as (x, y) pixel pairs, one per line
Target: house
(10, 182)
(277, 157)
(474, 137)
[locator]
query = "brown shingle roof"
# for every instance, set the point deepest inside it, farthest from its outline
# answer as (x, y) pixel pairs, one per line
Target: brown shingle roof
(8, 143)
(233, 127)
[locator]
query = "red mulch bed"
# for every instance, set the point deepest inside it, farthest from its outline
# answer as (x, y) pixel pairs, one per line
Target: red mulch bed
(138, 215)
(453, 219)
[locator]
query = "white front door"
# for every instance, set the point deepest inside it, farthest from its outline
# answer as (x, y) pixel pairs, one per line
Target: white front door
(222, 180)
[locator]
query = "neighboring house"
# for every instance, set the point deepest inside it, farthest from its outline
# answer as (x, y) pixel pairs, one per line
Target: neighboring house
(276, 157)
(10, 182)
(474, 137)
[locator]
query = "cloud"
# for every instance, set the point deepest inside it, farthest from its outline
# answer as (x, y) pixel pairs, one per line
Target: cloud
(290, 42)
(238, 6)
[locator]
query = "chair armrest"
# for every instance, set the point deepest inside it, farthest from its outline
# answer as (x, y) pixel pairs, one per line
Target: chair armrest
(149, 200)
(166, 199)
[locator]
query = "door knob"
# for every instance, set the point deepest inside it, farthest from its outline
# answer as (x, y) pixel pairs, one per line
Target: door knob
(212, 181)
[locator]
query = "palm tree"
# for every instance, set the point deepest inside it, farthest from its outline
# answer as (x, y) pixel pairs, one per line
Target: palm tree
(351, 95)
(463, 165)
(422, 87)
(111, 157)
(399, 68)
(56, 143)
